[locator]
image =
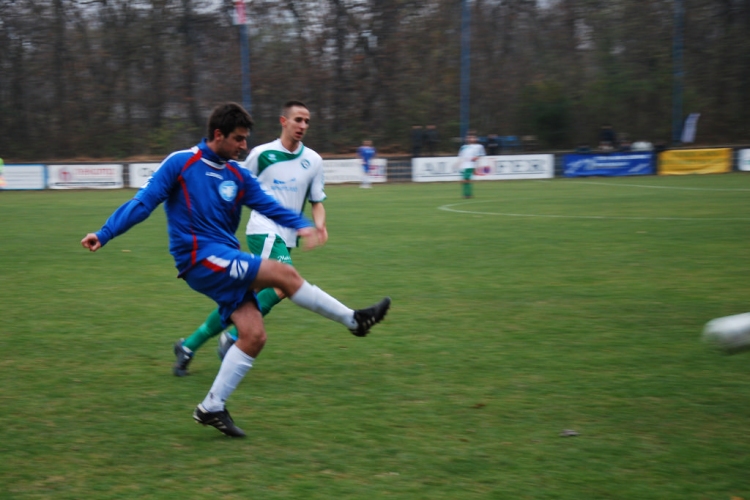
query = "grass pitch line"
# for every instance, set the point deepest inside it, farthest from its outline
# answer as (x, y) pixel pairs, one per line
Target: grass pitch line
(451, 208)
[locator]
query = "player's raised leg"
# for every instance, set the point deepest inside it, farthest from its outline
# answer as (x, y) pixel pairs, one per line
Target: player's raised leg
(287, 279)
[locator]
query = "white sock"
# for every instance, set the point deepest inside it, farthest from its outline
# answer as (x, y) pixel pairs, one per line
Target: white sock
(316, 300)
(233, 369)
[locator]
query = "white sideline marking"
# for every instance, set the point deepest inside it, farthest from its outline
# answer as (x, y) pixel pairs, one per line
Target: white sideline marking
(449, 208)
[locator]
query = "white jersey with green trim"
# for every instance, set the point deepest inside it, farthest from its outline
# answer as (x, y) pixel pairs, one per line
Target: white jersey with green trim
(291, 177)
(469, 151)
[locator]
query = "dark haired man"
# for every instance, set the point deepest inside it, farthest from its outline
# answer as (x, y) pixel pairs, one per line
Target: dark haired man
(293, 174)
(203, 190)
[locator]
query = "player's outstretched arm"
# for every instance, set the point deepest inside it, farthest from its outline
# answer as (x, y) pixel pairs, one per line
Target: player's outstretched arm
(91, 241)
(128, 215)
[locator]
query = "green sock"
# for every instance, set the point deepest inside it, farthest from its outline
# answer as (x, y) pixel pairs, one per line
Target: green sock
(468, 189)
(267, 298)
(210, 328)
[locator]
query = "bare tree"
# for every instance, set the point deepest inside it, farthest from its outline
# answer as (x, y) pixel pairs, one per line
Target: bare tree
(113, 78)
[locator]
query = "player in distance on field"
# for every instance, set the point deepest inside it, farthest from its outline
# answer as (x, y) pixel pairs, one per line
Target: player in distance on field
(293, 175)
(468, 155)
(366, 153)
(203, 190)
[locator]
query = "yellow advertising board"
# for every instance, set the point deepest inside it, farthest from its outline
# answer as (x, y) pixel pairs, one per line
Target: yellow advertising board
(695, 161)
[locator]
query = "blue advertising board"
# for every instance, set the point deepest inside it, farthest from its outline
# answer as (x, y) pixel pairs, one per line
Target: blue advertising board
(24, 176)
(609, 165)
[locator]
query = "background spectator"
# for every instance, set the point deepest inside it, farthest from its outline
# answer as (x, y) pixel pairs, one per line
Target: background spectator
(607, 138)
(417, 139)
(431, 139)
(493, 144)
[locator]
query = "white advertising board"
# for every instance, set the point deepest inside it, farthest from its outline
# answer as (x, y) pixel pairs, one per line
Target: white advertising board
(102, 176)
(743, 160)
(24, 177)
(341, 171)
(489, 168)
(335, 171)
(139, 173)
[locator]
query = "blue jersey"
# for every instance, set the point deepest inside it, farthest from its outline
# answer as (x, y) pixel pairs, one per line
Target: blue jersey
(203, 196)
(366, 153)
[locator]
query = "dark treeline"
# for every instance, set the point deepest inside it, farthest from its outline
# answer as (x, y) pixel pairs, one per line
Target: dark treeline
(120, 78)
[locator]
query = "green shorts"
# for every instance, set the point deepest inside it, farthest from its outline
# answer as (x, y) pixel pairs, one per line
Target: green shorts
(466, 173)
(269, 246)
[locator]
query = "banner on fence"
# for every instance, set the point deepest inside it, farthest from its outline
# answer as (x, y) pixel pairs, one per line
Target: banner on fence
(612, 165)
(341, 171)
(24, 177)
(690, 128)
(695, 161)
(139, 173)
(335, 171)
(106, 176)
(743, 160)
(489, 168)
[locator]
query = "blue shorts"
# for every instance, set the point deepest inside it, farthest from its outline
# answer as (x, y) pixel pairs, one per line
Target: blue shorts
(226, 279)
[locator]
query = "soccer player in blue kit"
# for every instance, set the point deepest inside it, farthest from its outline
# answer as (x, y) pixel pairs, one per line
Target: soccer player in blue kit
(293, 173)
(366, 153)
(203, 190)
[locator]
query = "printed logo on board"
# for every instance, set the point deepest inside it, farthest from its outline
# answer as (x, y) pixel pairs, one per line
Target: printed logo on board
(65, 175)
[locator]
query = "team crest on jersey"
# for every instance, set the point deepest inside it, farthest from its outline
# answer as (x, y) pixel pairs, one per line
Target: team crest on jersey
(228, 190)
(305, 163)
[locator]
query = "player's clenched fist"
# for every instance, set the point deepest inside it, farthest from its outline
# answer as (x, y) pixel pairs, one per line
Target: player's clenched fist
(312, 237)
(91, 241)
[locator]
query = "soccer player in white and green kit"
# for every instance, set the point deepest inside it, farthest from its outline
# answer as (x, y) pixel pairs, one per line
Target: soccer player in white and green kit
(468, 156)
(293, 174)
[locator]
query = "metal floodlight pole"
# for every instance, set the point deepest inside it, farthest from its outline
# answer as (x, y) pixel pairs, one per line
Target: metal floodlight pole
(245, 54)
(678, 71)
(241, 20)
(465, 65)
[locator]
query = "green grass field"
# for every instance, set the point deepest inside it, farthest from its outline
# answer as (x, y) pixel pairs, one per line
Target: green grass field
(537, 306)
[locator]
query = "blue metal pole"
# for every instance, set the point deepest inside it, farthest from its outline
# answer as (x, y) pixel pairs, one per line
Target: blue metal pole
(465, 65)
(245, 55)
(678, 71)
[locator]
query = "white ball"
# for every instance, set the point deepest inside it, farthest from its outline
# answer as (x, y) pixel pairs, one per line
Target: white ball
(730, 334)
